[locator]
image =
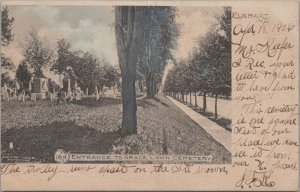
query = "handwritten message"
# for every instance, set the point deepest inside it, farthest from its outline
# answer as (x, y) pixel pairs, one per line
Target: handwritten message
(50, 171)
(264, 81)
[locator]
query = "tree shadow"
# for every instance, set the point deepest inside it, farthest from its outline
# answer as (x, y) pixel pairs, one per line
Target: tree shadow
(150, 102)
(159, 101)
(223, 122)
(144, 103)
(206, 113)
(107, 101)
(38, 144)
(102, 101)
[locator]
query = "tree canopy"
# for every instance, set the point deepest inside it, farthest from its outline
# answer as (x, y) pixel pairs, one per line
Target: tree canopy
(83, 67)
(23, 75)
(6, 37)
(37, 53)
(208, 69)
(159, 39)
(6, 27)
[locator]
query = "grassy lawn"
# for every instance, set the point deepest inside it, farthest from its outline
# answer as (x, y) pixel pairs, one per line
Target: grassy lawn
(38, 129)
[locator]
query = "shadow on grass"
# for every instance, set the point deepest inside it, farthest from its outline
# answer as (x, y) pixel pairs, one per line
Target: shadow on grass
(226, 123)
(159, 101)
(102, 101)
(106, 101)
(19, 104)
(144, 103)
(150, 102)
(223, 122)
(39, 143)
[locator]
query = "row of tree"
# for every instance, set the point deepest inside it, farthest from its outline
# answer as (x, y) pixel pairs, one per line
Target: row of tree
(208, 68)
(158, 38)
(83, 67)
(80, 66)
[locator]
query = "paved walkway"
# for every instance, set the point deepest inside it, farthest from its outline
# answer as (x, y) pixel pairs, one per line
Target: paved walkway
(217, 132)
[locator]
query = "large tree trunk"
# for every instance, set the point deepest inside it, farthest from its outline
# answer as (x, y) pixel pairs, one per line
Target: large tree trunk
(150, 85)
(204, 101)
(155, 86)
(196, 100)
(216, 106)
(129, 119)
(186, 98)
(191, 98)
(141, 86)
(127, 39)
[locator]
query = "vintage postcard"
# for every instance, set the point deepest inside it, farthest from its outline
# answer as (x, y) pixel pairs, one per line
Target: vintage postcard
(149, 95)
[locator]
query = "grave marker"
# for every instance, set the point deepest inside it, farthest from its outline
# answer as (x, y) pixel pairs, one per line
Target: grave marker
(5, 93)
(40, 88)
(69, 93)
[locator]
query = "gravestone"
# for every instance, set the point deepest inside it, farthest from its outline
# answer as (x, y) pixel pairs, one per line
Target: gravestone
(137, 89)
(30, 85)
(23, 96)
(77, 92)
(40, 88)
(96, 93)
(33, 96)
(50, 96)
(5, 95)
(15, 93)
(63, 96)
(69, 90)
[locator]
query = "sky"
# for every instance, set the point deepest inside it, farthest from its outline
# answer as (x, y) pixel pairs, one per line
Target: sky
(88, 28)
(91, 28)
(194, 22)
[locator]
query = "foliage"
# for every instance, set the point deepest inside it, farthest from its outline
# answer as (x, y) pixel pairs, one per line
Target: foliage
(37, 53)
(52, 85)
(111, 75)
(23, 76)
(159, 37)
(7, 66)
(6, 37)
(65, 57)
(5, 78)
(88, 72)
(208, 69)
(83, 67)
(6, 27)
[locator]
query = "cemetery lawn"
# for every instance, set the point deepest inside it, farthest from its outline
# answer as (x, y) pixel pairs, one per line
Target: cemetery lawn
(33, 131)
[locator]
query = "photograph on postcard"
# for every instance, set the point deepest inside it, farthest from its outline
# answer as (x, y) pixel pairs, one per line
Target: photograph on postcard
(111, 84)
